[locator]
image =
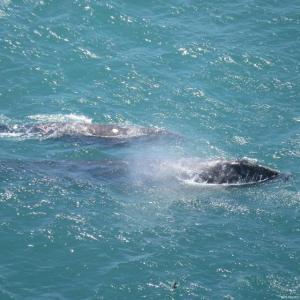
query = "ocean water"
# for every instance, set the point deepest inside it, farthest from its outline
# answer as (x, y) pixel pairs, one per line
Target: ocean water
(223, 75)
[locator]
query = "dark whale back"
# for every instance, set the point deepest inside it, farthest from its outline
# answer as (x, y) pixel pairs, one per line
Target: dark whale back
(4, 128)
(235, 172)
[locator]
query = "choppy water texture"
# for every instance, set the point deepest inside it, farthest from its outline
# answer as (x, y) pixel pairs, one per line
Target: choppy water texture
(223, 75)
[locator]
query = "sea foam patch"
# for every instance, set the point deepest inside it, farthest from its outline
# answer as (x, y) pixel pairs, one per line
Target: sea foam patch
(61, 118)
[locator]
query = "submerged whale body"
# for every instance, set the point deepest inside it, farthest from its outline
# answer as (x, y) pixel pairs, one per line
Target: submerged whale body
(58, 129)
(188, 171)
(231, 172)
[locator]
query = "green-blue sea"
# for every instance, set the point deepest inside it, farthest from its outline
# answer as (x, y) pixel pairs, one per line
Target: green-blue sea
(222, 75)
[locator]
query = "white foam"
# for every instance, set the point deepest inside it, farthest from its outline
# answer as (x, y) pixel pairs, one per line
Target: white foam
(88, 53)
(251, 160)
(61, 118)
(12, 135)
(196, 183)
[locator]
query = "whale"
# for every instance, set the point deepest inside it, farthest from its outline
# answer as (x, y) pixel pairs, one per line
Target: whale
(193, 171)
(76, 129)
(229, 172)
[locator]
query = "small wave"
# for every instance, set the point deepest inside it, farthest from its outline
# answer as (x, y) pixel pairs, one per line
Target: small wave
(4, 119)
(88, 54)
(52, 118)
(3, 8)
(2, 14)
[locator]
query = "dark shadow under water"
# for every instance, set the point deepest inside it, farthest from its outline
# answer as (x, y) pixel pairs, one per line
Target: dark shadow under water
(184, 171)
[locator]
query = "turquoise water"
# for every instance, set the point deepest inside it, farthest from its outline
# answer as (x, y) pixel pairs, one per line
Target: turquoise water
(225, 76)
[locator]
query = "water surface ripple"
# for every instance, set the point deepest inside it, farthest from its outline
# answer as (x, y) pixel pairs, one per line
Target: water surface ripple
(222, 75)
